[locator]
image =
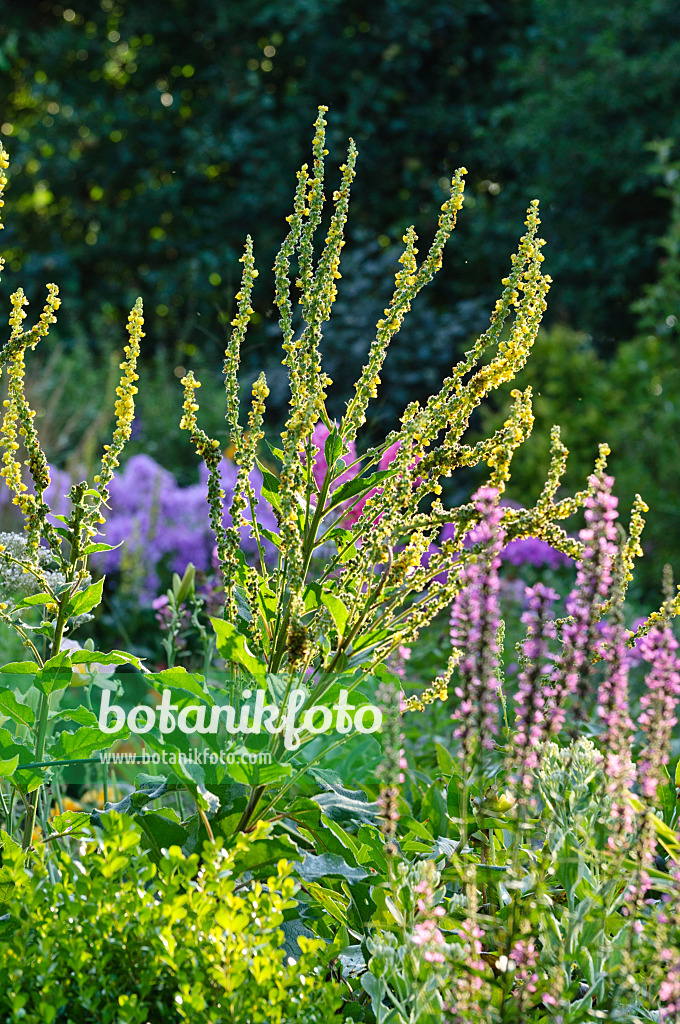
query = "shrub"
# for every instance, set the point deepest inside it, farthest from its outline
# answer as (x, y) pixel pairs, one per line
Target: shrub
(107, 936)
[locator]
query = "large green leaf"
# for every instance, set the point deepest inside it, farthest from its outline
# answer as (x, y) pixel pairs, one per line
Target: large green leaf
(83, 742)
(8, 767)
(178, 679)
(232, 647)
(359, 485)
(73, 822)
(55, 674)
(85, 600)
(28, 779)
(12, 708)
(161, 830)
(99, 658)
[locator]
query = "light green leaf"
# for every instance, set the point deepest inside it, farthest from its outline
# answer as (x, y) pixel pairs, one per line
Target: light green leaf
(8, 768)
(85, 600)
(337, 609)
(178, 678)
(83, 742)
(20, 713)
(34, 599)
(71, 821)
(20, 668)
(55, 674)
(81, 716)
(232, 647)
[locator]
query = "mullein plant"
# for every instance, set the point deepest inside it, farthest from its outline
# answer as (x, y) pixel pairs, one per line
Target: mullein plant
(53, 554)
(357, 575)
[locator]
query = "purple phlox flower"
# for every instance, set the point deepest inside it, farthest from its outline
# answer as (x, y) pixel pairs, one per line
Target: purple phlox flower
(475, 616)
(594, 578)
(163, 522)
(533, 551)
(532, 723)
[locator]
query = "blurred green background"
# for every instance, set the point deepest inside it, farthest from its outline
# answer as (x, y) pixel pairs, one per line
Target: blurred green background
(146, 140)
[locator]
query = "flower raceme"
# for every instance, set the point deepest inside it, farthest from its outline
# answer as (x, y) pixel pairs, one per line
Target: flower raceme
(367, 518)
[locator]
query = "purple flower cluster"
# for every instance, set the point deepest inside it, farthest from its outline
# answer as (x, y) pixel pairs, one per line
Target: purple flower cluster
(160, 522)
(475, 617)
(532, 551)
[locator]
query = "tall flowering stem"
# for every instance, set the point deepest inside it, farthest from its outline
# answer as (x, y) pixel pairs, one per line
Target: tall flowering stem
(532, 723)
(580, 635)
(475, 617)
(391, 770)
(658, 704)
(617, 735)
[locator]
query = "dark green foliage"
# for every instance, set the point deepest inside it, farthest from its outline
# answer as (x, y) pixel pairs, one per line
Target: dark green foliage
(632, 404)
(120, 194)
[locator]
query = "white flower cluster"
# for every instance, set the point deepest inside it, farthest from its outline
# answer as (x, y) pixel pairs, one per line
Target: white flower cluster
(17, 581)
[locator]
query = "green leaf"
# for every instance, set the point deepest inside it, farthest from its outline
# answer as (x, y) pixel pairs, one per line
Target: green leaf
(276, 452)
(337, 609)
(194, 773)
(71, 821)
(232, 647)
(258, 774)
(329, 865)
(344, 542)
(92, 549)
(20, 668)
(332, 902)
(29, 779)
(83, 742)
(161, 830)
(178, 678)
(358, 486)
(85, 600)
(99, 658)
(20, 713)
(7, 884)
(433, 811)
(81, 716)
(332, 448)
(270, 485)
(55, 674)
(446, 763)
(8, 767)
(263, 854)
(34, 599)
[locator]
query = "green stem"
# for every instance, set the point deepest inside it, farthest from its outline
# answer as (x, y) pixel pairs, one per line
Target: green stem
(43, 718)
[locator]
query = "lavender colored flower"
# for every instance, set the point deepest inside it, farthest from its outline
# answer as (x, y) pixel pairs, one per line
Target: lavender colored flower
(580, 636)
(533, 551)
(159, 521)
(475, 617)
